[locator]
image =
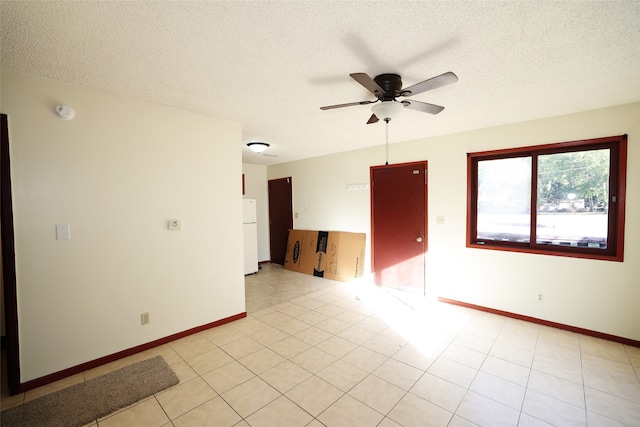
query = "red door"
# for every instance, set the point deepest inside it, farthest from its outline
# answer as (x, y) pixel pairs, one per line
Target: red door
(399, 225)
(280, 217)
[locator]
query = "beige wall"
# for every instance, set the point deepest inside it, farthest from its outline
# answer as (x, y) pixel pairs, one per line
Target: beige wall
(602, 296)
(117, 173)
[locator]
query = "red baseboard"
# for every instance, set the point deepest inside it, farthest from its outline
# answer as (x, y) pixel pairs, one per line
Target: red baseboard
(596, 334)
(47, 379)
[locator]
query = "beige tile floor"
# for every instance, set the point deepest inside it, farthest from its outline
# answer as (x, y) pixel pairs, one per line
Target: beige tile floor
(313, 352)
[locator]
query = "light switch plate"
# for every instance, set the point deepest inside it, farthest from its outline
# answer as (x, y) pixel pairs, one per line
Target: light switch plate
(63, 232)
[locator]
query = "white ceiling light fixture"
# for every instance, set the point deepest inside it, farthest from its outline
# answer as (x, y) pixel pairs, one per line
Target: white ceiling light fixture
(387, 110)
(258, 147)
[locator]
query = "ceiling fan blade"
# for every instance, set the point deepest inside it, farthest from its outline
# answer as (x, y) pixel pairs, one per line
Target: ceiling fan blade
(368, 83)
(350, 104)
(373, 119)
(423, 106)
(432, 83)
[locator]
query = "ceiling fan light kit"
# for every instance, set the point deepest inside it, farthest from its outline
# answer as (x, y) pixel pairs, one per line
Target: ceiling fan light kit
(387, 110)
(258, 147)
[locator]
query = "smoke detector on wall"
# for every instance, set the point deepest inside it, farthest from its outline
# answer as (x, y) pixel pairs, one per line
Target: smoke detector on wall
(64, 112)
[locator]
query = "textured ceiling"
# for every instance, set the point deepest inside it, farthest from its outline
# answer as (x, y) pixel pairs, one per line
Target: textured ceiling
(271, 64)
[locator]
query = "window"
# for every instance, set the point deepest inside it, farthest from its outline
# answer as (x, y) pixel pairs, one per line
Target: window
(560, 199)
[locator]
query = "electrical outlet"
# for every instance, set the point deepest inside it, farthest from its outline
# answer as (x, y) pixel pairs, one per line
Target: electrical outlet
(540, 297)
(144, 319)
(174, 225)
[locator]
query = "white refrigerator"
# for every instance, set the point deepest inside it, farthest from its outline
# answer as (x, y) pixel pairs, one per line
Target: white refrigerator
(250, 232)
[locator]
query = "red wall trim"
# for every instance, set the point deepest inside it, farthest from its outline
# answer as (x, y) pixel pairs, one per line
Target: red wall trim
(575, 329)
(38, 382)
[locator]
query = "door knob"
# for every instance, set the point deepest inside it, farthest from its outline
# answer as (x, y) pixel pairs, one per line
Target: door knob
(419, 239)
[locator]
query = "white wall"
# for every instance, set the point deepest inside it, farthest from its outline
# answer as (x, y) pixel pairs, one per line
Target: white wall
(117, 173)
(255, 187)
(601, 296)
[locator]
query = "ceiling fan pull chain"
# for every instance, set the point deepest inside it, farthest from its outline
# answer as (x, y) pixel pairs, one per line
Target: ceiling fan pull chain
(386, 128)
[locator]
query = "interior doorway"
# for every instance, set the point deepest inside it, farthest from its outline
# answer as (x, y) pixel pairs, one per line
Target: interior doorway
(280, 217)
(399, 225)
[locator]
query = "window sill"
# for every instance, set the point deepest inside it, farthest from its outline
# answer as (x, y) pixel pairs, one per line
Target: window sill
(564, 252)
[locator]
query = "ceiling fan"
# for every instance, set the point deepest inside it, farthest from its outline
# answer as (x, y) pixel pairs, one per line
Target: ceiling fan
(387, 87)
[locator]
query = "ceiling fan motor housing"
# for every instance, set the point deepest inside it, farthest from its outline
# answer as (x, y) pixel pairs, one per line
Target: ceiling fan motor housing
(392, 85)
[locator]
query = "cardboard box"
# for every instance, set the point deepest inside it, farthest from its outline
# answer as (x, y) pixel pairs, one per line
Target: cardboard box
(335, 255)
